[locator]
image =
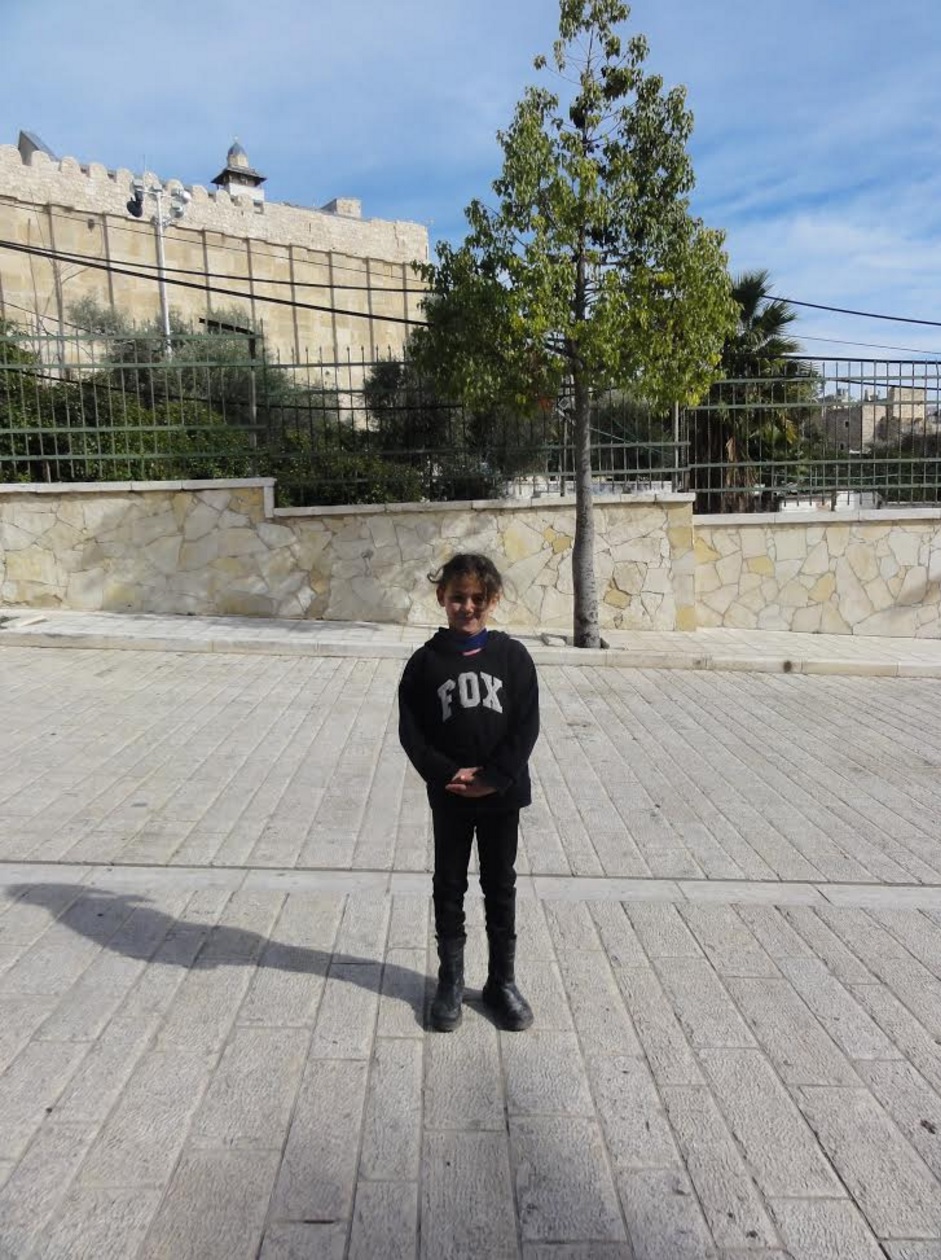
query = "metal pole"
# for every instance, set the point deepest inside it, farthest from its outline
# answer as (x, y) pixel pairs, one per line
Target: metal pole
(158, 221)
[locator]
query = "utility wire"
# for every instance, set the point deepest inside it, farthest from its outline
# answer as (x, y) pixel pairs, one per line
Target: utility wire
(131, 230)
(85, 260)
(843, 310)
(95, 264)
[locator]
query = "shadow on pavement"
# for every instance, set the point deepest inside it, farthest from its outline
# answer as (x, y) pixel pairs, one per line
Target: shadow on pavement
(104, 917)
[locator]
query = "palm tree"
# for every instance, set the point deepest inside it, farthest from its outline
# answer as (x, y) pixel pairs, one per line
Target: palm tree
(753, 416)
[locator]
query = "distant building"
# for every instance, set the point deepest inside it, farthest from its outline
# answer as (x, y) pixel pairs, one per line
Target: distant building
(357, 272)
(856, 426)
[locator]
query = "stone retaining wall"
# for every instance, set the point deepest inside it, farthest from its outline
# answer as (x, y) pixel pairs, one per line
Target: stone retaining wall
(222, 547)
(862, 572)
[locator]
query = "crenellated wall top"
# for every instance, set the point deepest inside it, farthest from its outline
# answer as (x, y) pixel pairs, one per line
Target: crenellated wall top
(94, 189)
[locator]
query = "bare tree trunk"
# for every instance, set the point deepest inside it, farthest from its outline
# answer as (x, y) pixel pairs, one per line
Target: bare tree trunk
(586, 632)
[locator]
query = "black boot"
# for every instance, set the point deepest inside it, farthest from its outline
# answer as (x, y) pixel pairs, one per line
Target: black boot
(446, 1005)
(500, 994)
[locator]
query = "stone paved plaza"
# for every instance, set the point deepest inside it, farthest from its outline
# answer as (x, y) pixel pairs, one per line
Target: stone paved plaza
(215, 953)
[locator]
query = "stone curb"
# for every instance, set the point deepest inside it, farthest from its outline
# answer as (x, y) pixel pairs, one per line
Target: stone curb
(366, 649)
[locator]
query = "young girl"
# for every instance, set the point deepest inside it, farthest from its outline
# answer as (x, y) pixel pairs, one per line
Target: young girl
(468, 720)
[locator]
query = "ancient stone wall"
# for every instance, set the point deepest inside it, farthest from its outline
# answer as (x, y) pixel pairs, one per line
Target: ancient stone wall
(328, 258)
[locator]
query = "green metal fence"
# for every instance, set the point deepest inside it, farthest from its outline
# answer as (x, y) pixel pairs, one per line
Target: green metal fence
(129, 407)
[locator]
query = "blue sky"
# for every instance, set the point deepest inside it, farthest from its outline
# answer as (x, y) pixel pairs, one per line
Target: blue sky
(817, 144)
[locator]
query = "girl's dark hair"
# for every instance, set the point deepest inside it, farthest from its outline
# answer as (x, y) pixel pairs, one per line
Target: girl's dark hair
(469, 564)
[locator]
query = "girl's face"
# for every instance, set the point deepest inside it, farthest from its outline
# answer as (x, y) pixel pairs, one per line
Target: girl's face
(466, 605)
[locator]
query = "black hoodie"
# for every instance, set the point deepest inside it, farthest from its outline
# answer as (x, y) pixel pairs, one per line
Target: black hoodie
(482, 709)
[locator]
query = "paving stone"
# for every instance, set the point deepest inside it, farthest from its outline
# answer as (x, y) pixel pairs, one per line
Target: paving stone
(144, 1134)
(596, 1004)
(837, 1010)
(663, 1216)
(9, 954)
(93, 1221)
(571, 926)
(408, 922)
(20, 1016)
(727, 942)
(578, 1251)
(467, 1197)
(702, 1005)
(363, 930)
(242, 931)
(545, 1075)
(540, 981)
(391, 1148)
(86, 1008)
(904, 1030)
(294, 1241)
(318, 1170)
(30, 1196)
(462, 1077)
(34, 910)
(30, 1088)
(251, 1095)
(824, 1229)
(727, 1193)
(827, 946)
(618, 938)
(204, 1009)
(105, 1069)
(913, 1250)
(662, 931)
(564, 1191)
(888, 1180)
(635, 1126)
(861, 933)
(402, 1001)
(782, 1151)
(801, 1051)
(286, 987)
(215, 1206)
(669, 1053)
(346, 1018)
(912, 1103)
(385, 1221)
(919, 933)
(773, 932)
(914, 985)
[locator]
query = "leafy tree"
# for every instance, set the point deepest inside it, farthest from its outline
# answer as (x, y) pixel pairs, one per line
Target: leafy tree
(759, 420)
(590, 268)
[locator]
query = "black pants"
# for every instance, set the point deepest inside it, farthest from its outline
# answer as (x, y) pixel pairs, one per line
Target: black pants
(497, 841)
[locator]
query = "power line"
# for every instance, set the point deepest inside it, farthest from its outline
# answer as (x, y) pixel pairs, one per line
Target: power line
(874, 345)
(96, 264)
(843, 310)
(133, 230)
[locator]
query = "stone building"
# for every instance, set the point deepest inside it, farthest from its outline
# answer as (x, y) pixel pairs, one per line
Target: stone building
(856, 426)
(321, 283)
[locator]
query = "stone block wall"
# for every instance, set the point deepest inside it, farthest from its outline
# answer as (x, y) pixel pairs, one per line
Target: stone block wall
(865, 572)
(359, 270)
(222, 547)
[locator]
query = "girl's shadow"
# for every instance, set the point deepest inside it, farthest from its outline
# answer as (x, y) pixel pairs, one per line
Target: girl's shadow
(105, 917)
